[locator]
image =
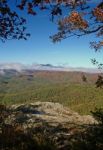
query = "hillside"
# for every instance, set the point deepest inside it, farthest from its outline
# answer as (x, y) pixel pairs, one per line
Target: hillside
(67, 88)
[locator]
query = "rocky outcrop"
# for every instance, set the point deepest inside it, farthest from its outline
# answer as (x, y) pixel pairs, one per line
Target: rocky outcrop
(52, 120)
(51, 113)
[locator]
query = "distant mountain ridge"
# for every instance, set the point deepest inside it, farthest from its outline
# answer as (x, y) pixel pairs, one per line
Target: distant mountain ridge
(16, 68)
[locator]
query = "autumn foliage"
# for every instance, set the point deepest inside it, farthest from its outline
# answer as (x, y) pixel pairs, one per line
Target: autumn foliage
(83, 17)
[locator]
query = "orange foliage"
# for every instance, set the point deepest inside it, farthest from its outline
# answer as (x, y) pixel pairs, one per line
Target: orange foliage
(75, 19)
(98, 13)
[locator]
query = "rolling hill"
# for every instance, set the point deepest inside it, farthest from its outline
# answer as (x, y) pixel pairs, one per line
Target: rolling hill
(64, 87)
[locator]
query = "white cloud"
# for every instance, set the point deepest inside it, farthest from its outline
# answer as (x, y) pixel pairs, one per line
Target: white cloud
(21, 67)
(16, 66)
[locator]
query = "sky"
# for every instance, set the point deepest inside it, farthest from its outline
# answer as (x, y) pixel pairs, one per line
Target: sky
(74, 52)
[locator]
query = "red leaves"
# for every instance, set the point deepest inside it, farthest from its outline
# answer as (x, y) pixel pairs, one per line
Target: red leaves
(22, 4)
(30, 9)
(47, 1)
(76, 20)
(21, 7)
(98, 13)
(13, 26)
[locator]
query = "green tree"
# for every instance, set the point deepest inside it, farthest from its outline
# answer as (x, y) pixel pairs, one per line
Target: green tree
(99, 82)
(84, 78)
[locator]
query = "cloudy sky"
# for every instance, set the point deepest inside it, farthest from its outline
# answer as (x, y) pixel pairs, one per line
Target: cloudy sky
(74, 52)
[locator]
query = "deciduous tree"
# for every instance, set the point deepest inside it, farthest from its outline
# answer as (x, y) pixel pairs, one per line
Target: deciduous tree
(83, 17)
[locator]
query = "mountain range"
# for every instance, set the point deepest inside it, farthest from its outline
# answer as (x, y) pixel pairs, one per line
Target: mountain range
(16, 68)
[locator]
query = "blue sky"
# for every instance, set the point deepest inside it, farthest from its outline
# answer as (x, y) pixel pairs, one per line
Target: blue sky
(40, 49)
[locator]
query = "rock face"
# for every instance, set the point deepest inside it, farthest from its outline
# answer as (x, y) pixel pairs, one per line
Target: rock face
(51, 120)
(51, 113)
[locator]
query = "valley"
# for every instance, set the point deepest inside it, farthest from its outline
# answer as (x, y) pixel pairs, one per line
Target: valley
(67, 88)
